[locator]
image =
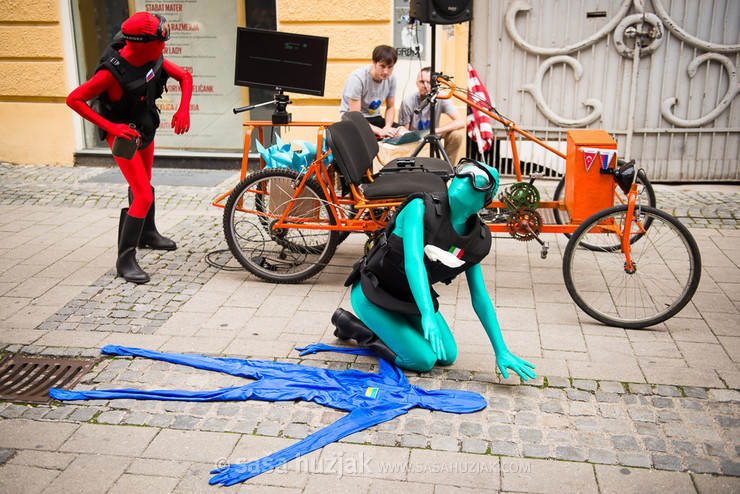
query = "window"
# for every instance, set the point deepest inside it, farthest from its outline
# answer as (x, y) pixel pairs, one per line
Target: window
(203, 42)
(95, 24)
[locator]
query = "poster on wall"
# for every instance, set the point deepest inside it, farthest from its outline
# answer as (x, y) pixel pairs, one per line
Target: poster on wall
(409, 38)
(203, 42)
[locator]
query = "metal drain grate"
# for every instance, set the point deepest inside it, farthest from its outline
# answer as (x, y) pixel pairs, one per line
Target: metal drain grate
(28, 379)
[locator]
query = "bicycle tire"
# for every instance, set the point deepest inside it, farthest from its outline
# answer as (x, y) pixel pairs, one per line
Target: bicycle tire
(645, 195)
(287, 255)
(667, 262)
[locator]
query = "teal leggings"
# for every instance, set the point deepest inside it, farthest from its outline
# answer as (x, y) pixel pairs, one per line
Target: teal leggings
(403, 334)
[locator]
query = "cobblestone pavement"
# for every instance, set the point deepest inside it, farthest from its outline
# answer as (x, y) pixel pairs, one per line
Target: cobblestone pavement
(611, 409)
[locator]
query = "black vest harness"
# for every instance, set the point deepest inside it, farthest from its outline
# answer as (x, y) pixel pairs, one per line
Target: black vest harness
(381, 271)
(141, 86)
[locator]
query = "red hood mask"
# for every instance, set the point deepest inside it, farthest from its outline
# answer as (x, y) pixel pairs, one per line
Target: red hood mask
(145, 35)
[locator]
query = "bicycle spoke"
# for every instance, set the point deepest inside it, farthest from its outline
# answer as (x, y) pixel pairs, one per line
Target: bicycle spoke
(666, 269)
(271, 232)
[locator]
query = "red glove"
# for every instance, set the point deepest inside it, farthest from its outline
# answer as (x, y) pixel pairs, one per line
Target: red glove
(123, 130)
(181, 118)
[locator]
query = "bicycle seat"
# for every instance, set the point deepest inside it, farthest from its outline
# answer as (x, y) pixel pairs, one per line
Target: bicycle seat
(387, 186)
(353, 162)
(370, 142)
(366, 133)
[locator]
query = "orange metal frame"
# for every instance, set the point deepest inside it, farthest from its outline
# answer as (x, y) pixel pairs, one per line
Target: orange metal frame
(260, 126)
(369, 215)
(511, 131)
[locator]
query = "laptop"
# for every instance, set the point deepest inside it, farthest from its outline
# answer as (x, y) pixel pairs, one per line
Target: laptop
(412, 136)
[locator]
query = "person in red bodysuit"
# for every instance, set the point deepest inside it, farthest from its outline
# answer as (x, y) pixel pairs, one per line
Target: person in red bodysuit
(130, 76)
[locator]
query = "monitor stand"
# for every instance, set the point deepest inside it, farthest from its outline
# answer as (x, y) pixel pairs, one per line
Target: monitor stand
(281, 116)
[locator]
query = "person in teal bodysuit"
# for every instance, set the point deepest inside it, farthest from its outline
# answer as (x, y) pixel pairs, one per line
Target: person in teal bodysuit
(432, 237)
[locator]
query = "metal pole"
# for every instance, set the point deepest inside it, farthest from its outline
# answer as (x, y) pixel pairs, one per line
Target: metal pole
(432, 110)
(633, 97)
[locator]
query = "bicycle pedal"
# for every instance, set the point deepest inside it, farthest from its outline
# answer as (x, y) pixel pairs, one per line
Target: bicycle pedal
(545, 248)
(535, 176)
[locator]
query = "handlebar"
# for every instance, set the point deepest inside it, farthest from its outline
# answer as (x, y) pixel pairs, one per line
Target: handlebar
(434, 93)
(430, 98)
(445, 81)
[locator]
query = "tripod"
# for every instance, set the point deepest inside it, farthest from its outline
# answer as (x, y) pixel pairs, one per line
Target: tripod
(281, 101)
(436, 150)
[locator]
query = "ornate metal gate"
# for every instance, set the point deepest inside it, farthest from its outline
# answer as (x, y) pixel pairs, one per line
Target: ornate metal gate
(661, 76)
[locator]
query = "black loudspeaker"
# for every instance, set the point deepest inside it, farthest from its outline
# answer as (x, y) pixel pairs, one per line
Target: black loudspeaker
(441, 11)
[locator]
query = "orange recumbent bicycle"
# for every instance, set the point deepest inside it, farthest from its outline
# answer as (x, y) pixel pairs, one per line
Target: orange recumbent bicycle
(629, 265)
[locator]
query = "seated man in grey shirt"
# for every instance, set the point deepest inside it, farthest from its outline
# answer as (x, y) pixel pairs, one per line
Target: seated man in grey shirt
(452, 133)
(368, 87)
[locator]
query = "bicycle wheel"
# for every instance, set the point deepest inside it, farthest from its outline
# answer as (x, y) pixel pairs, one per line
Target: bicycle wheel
(645, 197)
(665, 257)
(280, 255)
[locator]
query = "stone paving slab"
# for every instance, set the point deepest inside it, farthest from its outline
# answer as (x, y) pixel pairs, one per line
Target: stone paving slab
(168, 176)
(611, 409)
(361, 467)
(602, 422)
(193, 305)
(105, 439)
(90, 473)
(616, 479)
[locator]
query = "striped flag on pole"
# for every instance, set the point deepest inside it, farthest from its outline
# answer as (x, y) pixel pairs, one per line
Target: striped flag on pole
(479, 124)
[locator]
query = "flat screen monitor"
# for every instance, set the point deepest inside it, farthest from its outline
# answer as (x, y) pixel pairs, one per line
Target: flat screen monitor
(271, 59)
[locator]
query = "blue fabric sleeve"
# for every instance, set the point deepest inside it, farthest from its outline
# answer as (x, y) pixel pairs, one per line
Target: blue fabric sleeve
(253, 369)
(357, 420)
(237, 393)
(320, 347)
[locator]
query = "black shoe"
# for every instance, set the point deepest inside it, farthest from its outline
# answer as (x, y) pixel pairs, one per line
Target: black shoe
(129, 231)
(349, 326)
(150, 236)
(337, 329)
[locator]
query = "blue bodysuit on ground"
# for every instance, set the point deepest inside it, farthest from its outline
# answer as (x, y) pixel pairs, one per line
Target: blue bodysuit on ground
(370, 398)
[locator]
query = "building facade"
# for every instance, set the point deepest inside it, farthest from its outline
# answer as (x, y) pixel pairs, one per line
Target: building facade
(48, 47)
